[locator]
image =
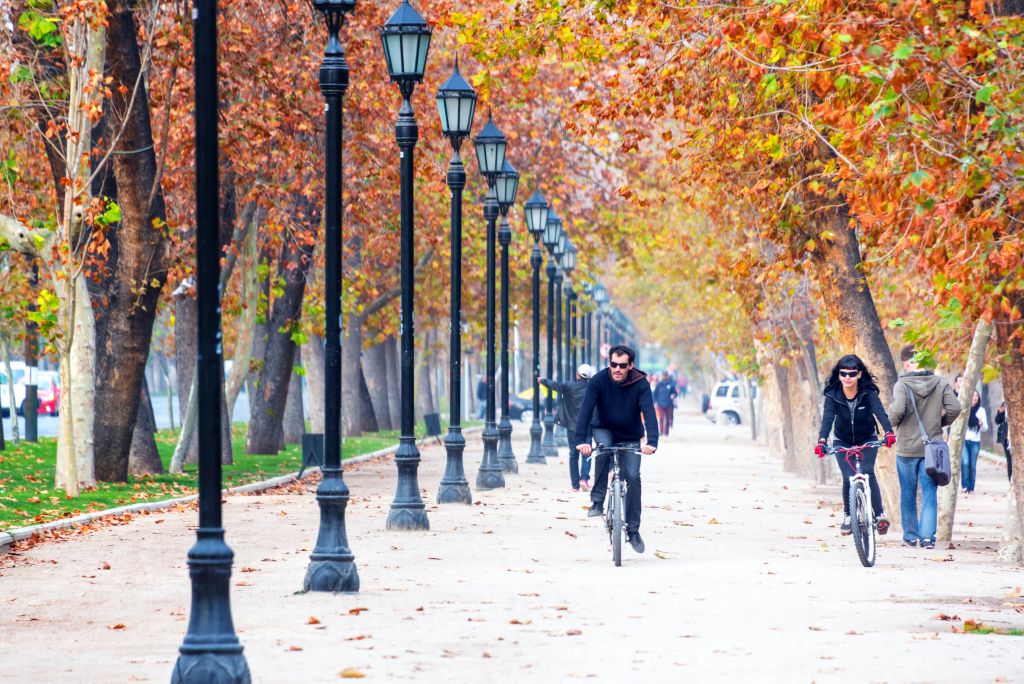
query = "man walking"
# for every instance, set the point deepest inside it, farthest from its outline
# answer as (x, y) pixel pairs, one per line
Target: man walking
(664, 403)
(937, 406)
(570, 396)
(625, 410)
(1003, 437)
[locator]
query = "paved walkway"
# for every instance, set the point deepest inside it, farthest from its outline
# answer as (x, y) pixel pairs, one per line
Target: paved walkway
(745, 578)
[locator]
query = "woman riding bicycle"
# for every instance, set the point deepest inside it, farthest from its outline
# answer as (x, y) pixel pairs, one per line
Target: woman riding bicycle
(850, 410)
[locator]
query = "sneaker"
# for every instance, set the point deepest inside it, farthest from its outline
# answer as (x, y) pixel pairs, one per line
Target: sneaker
(635, 541)
(927, 543)
(575, 489)
(585, 485)
(847, 526)
(595, 510)
(883, 524)
(911, 543)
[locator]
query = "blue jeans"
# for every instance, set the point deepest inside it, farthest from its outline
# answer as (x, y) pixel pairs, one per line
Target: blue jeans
(911, 472)
(577, 473)
(629, 469)
(969, 464)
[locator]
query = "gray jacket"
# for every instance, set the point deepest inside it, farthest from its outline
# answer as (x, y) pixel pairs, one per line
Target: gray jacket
(936, 403)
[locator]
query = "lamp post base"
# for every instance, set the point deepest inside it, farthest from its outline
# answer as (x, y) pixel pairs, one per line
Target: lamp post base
(489, 476)
(549, 448)
(536, 455)
(211, 668)
(332, 566)
(506, 458)
(454, 486)
(407, 510)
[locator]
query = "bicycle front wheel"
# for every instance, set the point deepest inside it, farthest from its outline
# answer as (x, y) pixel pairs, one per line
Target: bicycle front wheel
(617, 522)
(863, 525)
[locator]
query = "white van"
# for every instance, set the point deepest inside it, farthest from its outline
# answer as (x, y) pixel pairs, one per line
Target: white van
(727, 405)
(19, 370)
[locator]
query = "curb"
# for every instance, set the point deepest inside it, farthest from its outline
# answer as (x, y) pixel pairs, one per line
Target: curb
(18, 533)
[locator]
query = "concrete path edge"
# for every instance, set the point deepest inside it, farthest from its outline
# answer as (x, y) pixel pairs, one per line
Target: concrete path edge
(8, 538)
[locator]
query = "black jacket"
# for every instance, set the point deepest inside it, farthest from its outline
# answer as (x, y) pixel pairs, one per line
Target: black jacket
(1002, 428)
(619, 407)
(665, 393)
(857, 426)
(570, 396)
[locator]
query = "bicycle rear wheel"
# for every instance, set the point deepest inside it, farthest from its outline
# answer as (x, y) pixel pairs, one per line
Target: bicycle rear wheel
(863, 525)
(617, 522)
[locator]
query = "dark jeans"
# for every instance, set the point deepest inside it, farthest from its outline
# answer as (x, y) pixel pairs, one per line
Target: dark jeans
(629, 469)
(969, 464)
(867, 466)
(577, 473)
(664, 419)
(1009, 462)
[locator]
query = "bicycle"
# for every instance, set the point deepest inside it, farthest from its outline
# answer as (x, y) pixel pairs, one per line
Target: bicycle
(614, 517)
(862, 516)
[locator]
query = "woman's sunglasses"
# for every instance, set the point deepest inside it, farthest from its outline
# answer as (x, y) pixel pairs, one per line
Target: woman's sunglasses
(849, 373)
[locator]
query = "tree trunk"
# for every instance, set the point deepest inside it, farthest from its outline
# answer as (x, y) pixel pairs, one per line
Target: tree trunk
(144, 458)
(369, 419)
(185, 340)
(244, 343)
(294, 418)
(1012, 548)
(972, 373)
(847, 298)
(313, 362)
(10, 389)
(271, 390)
(781, 375)
(351, 400)
(424, 390)
(375, 368)
(394, 389)
(84, 392)
(138, 257)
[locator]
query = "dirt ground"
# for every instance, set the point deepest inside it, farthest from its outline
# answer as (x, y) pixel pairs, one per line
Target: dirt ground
(745, 578)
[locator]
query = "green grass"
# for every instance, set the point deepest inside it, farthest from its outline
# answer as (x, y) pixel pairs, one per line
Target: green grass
(28, 497)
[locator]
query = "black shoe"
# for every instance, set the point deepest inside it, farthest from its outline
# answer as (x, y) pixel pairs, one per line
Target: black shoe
(635, 541)
(911, 544)
(595, 510)
(927, 543)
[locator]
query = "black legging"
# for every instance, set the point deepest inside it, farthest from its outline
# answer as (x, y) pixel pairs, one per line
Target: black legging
(867, 465)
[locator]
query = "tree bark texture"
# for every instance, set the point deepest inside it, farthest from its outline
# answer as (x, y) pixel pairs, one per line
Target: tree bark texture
(424, 378)
(1012, 548)
(957, 432)
(294, 417)
(270, 391)
(144, 458)
(375, 368)
(135, 273)
(394, 389)
(351, 400)
(369, 419)
(313, 362)
(781, 375)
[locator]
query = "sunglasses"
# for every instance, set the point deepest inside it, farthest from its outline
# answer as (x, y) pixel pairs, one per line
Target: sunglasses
(618, 365)
(849, 373)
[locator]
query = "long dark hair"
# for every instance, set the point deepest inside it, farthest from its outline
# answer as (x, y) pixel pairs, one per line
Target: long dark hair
(972, 420)
(851, 362)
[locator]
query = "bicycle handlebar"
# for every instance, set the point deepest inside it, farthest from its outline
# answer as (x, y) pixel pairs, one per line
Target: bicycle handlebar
(858, 449)
(619, 449)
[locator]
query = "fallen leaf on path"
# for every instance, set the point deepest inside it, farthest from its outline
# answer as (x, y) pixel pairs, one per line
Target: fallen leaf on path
(105, 566)
(312, 621)
(119, 625)
(485, 654)
(714, 521)
(517, 621)
(294, 648)
(573, 632)
(357, 637)
(681, 523)
(570, 534)
(943, 616)
(351, 673)
(816, 629)
(659, 554)
(356, 611)
(1015, 593)
(248, 569)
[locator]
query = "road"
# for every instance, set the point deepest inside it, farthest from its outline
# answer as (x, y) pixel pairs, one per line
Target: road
(745, 579)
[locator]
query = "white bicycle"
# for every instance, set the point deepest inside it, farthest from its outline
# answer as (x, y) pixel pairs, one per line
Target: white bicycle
(862, 515)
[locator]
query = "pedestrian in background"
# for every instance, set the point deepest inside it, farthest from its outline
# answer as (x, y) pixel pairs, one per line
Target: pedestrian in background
(570, 396)
(664, 403)
(1003, 437)
(977, 422)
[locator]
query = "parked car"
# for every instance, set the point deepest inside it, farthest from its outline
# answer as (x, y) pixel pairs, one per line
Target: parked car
(520, 406)
(727, 406)
(48, 393)
(18, 369)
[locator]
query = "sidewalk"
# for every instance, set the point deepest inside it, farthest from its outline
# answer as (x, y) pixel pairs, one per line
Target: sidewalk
(745, 577)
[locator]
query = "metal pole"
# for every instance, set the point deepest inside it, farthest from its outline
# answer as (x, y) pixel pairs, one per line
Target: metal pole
(454, 486)
(560, 437)
(536, 454)
(31, 362)
(407, 509)
(549, 411)
(506, 458)
(331, 565)
(210, 644)
(489, 475)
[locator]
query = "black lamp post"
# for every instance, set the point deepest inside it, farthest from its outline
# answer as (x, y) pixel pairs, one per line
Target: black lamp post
(490, 154)
(210, 652)
(588, 340)
(456, 104)
(552, 229)
(505, 187)
(332, 566)
(406, 41)
(569, 263)
(536, 210)
(560, 437)
(600, 302)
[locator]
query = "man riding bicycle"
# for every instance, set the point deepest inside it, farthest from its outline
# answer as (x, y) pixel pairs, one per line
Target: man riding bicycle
(621, 395)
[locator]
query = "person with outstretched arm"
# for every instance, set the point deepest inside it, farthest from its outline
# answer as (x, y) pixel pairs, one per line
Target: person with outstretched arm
(621, 396)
